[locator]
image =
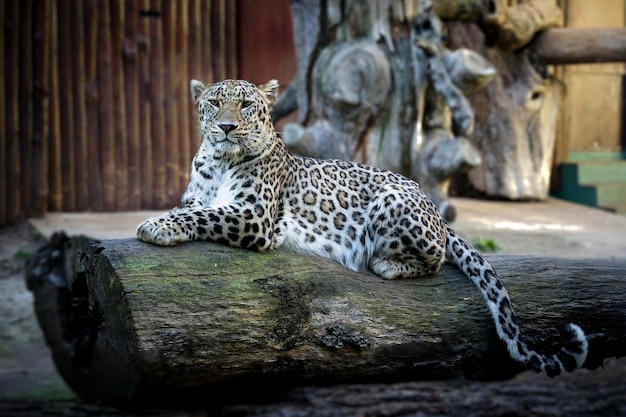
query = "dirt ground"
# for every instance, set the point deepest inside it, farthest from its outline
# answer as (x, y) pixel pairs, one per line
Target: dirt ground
(30, 385)
(26, 368)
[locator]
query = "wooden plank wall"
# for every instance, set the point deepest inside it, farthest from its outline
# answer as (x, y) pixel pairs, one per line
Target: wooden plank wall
(266, 48)
(20, 83)
(96, 112)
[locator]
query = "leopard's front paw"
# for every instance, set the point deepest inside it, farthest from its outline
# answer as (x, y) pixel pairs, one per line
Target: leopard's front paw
(160, 231)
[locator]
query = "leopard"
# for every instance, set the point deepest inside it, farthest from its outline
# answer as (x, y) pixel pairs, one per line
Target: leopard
(248, 190)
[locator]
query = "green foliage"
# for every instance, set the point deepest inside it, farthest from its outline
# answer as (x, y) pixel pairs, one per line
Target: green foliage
(23, 255)
(484, 244)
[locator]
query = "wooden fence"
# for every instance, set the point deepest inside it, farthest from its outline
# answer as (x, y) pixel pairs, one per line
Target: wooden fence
(96, 112)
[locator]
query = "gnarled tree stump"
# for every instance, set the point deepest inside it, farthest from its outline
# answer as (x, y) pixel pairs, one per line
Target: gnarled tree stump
(516, 114)
(376, 85)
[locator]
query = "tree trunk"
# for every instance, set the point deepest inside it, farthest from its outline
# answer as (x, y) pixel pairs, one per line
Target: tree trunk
(516, 114)
(364, 72)
(128, 322)
(376, 84)
(516, 117)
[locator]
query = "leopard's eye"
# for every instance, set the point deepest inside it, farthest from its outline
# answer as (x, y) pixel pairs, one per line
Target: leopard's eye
(246, 104)
(214, 103)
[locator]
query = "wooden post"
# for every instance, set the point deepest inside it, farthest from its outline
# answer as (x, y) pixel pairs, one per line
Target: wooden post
(128, 322)
(561, 46)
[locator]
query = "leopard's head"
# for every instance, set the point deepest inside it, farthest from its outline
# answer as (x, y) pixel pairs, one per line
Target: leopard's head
(235, 115)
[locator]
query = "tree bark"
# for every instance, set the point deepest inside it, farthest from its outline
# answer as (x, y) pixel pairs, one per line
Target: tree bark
(128, 322)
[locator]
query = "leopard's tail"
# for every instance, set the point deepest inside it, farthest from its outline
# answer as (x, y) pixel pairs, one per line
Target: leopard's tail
(574, 348)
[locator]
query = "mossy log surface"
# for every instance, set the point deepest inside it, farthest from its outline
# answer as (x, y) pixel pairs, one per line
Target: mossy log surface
(128, 322)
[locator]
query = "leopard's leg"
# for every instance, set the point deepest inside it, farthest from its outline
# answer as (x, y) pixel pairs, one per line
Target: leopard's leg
(231, 225)
(166, 230)
(409, 235)
(171, 228)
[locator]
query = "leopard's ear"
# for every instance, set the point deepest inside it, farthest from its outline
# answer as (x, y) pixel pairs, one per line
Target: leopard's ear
(270, 90)
(197, 88)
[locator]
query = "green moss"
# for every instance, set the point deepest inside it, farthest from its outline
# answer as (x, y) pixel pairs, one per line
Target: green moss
(23, 255)
(288, 280)
(172, 275)
(163, 260)
(57, 391)
(48, 389)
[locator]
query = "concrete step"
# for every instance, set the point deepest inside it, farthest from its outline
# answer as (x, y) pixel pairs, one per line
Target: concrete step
(595, 172)
(596, 179)
(611, 194)
(596, 195)
(596, 156)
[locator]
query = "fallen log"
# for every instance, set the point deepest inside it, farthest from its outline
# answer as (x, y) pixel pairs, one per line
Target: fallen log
(128, 322)
(594, 394)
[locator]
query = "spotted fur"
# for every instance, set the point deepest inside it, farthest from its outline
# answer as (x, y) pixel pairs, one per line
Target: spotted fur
(247, 190)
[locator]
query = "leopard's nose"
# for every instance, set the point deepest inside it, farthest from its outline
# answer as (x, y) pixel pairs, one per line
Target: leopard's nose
(227, 127)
